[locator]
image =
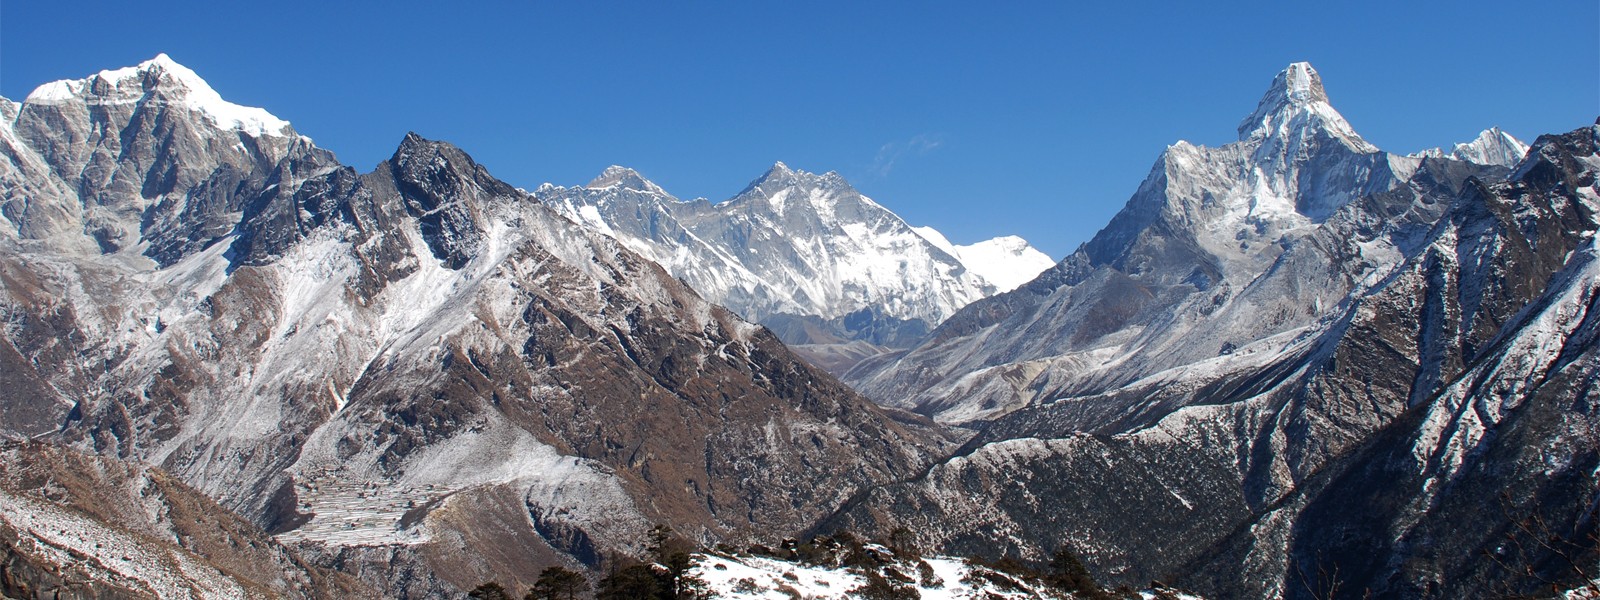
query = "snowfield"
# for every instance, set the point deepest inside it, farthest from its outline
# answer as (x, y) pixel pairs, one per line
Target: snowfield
(748, 577)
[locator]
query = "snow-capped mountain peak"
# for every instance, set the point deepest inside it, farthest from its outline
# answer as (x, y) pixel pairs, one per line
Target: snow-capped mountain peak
(777, 176)
(116, 128)
(1294, 104)
(164, 78)
(1493, 146)
(781, 176)
(1007, 261)
(1206, 227)
(1301, 83)
(1296, 87)
(781, 186)
(616, 175)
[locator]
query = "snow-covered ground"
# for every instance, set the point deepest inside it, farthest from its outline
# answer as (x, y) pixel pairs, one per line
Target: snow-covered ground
(1587, 592)
(747, 577)
(751, 577)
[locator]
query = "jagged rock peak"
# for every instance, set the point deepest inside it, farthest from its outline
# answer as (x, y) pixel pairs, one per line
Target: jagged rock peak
(775, 178)
(782, 176)
(442, 165)
(1300, 83)
(415, 145)
(1295, 102)
(616, 175)
(161, 78)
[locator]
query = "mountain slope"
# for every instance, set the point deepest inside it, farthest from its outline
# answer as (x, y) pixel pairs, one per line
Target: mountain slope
(83, 526)
(1501, 460)
(382, 367)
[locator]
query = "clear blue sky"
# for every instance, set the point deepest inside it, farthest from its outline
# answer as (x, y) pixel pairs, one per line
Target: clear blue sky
(1037, 119)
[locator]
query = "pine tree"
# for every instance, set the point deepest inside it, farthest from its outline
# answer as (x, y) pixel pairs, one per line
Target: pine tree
(1069, 574)
(673, 554)
(903, 542)
(556, 583)
(489, 591)
(635, 582)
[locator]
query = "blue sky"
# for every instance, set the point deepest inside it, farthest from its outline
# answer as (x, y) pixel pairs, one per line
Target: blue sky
(1036, 119)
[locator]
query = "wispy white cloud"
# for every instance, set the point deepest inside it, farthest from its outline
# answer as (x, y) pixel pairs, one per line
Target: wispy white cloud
(891, 153)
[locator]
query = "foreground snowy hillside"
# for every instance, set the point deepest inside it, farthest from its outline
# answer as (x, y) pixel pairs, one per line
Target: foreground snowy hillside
(839, 566)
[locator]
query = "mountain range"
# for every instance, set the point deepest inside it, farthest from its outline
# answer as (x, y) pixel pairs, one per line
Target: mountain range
(1293, 365)
(835, 275)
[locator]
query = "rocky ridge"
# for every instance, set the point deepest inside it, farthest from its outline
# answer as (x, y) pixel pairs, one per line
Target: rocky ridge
(380, 367)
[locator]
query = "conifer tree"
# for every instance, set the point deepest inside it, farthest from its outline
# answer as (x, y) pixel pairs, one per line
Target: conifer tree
(489, 591)
(556, 583)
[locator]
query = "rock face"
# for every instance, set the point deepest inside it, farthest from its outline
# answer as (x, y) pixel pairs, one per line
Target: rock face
(1401, 383)
(381, 368)
(805, 254)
